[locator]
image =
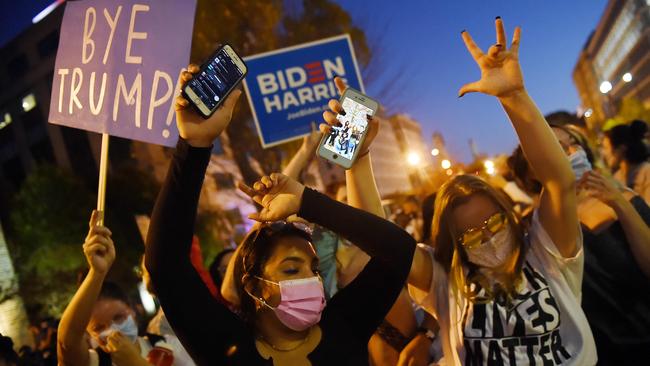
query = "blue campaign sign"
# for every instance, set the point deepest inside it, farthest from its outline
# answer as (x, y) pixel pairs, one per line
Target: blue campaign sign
(288, 89)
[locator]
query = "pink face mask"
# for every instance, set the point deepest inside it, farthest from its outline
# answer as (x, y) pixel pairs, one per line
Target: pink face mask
(301, 302)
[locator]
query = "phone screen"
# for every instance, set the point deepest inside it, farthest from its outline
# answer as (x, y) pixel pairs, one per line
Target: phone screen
(345, 139)
(216, 79)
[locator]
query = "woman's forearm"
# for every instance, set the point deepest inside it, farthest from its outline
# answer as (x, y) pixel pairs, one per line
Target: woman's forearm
(540, 146)
(71, 341)
(636, 232)
(297, 164)
(362, 188)
(378, 237)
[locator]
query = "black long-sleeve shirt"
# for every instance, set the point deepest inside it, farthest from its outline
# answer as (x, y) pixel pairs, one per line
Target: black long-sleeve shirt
(208, 330)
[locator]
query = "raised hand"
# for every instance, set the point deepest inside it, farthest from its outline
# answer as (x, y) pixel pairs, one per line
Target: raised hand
(601, 188)
(335, 107)
(311, 141)
(200, 132)
(98, 247)
(500, 72)
(279, 196)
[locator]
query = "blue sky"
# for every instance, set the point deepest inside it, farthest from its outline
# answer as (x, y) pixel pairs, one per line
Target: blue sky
(420, 39)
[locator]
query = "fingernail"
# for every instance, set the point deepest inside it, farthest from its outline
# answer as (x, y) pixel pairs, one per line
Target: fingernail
(334, 76)
(463, 31)
(498, 17)
(460, 95)
(343, 112)
(369, 117)
(498, 45)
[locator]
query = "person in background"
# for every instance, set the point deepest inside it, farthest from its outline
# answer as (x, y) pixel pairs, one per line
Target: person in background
(101, 311)
(504, 292)
(627, 156)
(8, 357)
(615, 230)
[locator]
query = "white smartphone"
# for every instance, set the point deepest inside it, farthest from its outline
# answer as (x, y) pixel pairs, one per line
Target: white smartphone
(341, 145)
(219, 75)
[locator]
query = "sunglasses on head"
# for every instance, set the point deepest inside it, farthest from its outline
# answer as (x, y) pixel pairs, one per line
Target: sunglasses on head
(268, 229)
(473, 237)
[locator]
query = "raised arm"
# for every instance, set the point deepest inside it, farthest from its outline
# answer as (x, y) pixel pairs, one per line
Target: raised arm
(501, 77)
(182, 293)
(303, 156)
(99, 250)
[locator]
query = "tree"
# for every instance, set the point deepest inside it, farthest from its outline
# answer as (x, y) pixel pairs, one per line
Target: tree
(253, 27)
(49, 221)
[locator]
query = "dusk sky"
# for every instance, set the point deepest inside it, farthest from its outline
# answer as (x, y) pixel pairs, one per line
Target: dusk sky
(421, 40)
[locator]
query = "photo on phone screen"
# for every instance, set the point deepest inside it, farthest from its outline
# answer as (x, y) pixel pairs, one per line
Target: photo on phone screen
(215, 80)
(345, 139)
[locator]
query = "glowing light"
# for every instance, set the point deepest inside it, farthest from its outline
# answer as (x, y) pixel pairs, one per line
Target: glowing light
(450, 172)
(605, 87)
(627, 77)
(435, 152)
(29, 102)
(147, 300)
(413, 158)
(46, 11)
(5, 121)
(588, 113)
(445, 164)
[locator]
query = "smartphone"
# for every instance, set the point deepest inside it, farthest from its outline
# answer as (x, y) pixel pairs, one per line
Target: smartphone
(218, 76)
(341, 145)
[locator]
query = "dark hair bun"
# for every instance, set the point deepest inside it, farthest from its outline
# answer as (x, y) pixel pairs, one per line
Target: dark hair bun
(638, 129)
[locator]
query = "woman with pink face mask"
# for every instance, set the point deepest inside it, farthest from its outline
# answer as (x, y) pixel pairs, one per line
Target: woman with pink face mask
(283, 318)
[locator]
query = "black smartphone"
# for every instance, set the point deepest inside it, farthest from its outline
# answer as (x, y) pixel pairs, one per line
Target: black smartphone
(219, 75)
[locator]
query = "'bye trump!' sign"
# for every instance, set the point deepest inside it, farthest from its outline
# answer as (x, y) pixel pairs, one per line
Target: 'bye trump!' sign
(289, 88)
(117, 67)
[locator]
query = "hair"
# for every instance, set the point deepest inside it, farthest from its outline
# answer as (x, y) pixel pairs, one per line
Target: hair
(450, 254)
(214, 266)
(251, 259)
(7, 352)
(520, 168)
(427, 215)
(111, 291)
(564, 118)
(631, 137)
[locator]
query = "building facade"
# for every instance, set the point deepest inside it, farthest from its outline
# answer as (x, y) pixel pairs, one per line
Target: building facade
(614, 63)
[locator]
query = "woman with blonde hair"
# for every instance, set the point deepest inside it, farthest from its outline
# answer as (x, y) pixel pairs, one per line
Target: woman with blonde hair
(504, 292)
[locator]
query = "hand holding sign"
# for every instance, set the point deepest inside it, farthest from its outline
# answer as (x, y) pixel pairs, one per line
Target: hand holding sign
(192, 127)
(335, 107)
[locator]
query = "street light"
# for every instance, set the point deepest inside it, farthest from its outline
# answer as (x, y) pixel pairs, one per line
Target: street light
(413, 158)
(605, 87)
(489, 167)
(588, 113)
(435, 152)
(627, 77)
(446, 164)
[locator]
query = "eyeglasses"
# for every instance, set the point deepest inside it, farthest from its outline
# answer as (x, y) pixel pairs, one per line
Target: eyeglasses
(474, 237)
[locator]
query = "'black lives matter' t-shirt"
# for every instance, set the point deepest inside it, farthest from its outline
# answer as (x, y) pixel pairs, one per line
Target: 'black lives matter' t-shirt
(544, 325)
(522, 332)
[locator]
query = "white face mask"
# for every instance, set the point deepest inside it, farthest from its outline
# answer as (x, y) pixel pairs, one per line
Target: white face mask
(493, 252)
(128, 328)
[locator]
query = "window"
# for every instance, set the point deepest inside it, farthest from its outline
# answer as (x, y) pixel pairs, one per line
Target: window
(623, 35)
(6, 120)
(29, 102)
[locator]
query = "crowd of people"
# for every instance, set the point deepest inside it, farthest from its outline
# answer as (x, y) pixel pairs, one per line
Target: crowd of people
(548, 264)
